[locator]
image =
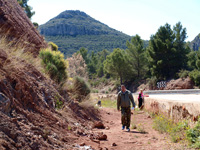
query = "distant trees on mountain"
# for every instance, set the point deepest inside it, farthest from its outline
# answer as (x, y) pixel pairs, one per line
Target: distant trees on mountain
(168, 56)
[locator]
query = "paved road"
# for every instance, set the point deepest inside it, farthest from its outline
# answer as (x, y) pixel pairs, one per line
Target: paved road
(177, 97)
(187, 95)
(190, 95)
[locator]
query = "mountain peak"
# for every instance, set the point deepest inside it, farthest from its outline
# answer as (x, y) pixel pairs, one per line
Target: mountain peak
(73, 29)
(73, 23)
(71, 13)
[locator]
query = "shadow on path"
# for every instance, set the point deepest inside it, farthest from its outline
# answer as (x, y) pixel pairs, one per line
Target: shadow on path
(136, 132)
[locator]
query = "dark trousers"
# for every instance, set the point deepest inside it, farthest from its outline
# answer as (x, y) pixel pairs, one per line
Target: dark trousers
(126, 116)
(140, 102)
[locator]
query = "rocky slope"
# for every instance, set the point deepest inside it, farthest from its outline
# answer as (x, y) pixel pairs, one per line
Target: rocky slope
(28, 115)
(27, 109)
(72, 30)
(14, 24)
(195, 44)
(174, 84)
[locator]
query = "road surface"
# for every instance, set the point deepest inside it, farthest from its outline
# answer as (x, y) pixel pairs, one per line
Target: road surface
(177, 97)
(187, 95)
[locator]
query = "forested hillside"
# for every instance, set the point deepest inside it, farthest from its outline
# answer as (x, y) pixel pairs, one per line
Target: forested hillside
(109, 53)
(168, 56)
(72, 30)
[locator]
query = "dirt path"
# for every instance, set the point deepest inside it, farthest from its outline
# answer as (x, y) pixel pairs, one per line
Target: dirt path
(135, 139)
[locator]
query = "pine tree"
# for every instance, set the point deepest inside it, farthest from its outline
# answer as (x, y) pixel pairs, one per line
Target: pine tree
(192, 58)
(136, 56)
(180, 45)
(101, 58)
(116, 64)
(161, 52)
(167, 51)
(26, 7)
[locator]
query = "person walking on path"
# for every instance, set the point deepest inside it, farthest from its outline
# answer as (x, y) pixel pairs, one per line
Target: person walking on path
(124, 100)
(140, 99)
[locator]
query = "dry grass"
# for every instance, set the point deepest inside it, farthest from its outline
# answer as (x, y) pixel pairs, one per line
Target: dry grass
(105, 102)
(77, 66)
(17, 55)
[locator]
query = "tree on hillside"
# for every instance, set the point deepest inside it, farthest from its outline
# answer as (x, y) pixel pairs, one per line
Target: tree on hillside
(91, 61)
(101, 58)
(84, 52)
(192, 58)
(197, 63)
(116, 64)
(194, 65)
(92, 65)
(137, 57)
(180, 45)
(94, 61)
(167, 52)
(161, 52)
(26, 7)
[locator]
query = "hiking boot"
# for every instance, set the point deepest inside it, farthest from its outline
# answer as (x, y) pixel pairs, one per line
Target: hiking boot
(123, 127)
(128, 129)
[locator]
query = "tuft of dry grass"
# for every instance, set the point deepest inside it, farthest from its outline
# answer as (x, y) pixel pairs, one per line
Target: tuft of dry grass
(17, 55)
(141, 129)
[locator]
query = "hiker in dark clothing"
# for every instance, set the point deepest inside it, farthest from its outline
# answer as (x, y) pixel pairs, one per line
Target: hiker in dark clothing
(99, 103)
(124, 100)
(140, 99)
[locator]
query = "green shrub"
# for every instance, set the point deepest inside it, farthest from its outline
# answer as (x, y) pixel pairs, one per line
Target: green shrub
(69, 127)
(141, 129)
(55, 64)
(36, 25)
(59, 104)
(104, 80)
(100, 71)
(195, 77)
(198, 64)
(152, 82)
(162, 124)
(81, 88)
(178, 131)
(96, 83)
(95, 91)
(166, 125)
(183, 74)
(108, 103)
(117, 84)
(53, 46)
(193, 135)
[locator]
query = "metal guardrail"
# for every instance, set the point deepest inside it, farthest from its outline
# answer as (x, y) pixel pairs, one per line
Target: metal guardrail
(183, 91)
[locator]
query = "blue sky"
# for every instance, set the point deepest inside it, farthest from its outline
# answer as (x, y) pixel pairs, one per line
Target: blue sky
(142, 17)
